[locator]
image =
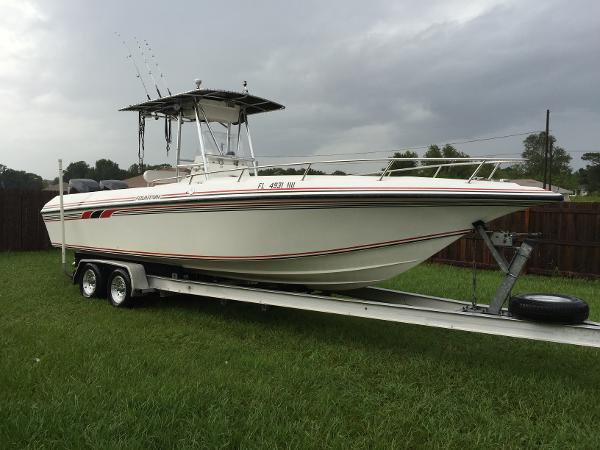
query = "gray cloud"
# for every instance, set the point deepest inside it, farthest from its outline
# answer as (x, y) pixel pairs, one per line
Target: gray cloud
(354, 77)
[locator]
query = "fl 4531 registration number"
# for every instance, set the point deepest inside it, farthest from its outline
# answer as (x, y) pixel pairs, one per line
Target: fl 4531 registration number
(277, 185)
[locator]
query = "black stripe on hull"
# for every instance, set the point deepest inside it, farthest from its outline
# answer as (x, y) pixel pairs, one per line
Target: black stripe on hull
(430, 197)
(178, 206)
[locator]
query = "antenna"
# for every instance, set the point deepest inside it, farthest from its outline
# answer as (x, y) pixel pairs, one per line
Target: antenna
(163, 79)
(137, 69)
(148, 67)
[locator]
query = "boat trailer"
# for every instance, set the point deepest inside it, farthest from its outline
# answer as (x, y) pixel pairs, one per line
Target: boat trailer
(370, 302)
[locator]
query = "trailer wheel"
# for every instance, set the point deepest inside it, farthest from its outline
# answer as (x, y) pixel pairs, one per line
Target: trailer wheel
(119, 288)
(91, 281)
(552, 308)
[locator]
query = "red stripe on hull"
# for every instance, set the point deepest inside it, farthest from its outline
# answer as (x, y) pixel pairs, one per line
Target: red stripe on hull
(275, 256)
(107, 213)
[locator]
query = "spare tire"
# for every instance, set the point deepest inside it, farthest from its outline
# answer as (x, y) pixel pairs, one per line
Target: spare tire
(552, 308)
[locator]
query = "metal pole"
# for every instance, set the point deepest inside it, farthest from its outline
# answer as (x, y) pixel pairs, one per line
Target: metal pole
(239, 130)
(550, 166)
(474, 174)
(62, 217)
(179, 117)
(229, 137)
(199, 126)
(386, 169)
(250, 145)
(546, 147)
(210, 128)
(306, 171)
(494, 170)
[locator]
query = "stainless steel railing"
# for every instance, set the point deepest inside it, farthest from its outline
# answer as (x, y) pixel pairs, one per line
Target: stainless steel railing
(388, 170)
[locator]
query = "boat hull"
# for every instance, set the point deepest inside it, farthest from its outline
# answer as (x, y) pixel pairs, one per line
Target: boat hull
(329, 244)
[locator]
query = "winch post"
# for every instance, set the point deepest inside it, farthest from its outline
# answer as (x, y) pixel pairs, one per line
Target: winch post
(512, 271)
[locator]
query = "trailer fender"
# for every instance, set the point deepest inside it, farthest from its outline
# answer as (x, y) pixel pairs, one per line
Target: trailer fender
(136, 272)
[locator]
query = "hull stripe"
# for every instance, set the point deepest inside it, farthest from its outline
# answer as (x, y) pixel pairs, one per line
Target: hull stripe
(415, 191)
(196, 206)
(273, 256)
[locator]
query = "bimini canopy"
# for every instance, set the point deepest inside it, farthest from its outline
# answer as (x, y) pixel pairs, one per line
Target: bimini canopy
(217, 105)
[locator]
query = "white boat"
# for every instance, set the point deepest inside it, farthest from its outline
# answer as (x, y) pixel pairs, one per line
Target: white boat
(223, 217)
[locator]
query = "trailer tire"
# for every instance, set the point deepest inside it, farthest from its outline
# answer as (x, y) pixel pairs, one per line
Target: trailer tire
(119, 288)
(91, 281)
(553, 308)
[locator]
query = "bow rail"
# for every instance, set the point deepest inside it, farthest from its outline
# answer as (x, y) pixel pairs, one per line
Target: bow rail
(388, 170)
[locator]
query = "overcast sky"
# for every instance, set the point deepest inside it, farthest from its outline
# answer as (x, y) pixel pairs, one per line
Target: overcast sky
(355, 76)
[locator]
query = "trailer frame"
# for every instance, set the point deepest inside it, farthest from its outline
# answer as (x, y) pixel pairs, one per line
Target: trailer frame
(370, 303)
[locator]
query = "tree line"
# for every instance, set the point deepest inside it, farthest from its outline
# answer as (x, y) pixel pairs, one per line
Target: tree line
(105, 169)
(19, 179)
(563, 175)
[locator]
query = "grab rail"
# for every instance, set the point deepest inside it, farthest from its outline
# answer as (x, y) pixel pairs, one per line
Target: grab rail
(454, 162)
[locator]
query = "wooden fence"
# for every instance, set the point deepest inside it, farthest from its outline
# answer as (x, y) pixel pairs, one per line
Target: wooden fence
(21, 225)
(570, 242)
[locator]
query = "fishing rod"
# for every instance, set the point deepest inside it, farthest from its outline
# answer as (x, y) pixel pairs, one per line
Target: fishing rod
(137, 69)
(148, 67)
(163, 78)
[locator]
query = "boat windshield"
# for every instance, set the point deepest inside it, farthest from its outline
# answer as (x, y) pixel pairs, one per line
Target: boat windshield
(223, 140)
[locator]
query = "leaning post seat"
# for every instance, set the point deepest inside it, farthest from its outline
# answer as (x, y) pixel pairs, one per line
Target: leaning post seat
(159, 176)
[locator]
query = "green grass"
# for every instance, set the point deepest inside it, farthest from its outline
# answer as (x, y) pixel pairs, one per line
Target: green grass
(585, 198)
(187, 372)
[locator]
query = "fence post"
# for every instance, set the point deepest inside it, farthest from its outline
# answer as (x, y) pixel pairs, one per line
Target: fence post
(63, 258)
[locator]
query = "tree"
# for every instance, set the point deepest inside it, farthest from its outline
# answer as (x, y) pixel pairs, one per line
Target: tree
(534, 152)
(460, 171)
(592, 157)
(78, 169)
(448, 151)
(510, 173)
(433, 151)
(105, 169)
(19, 179)
(403, 164)
(590, 176)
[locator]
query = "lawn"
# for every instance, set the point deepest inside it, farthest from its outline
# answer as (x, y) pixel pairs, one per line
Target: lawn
(586, 198)
(181, 372)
